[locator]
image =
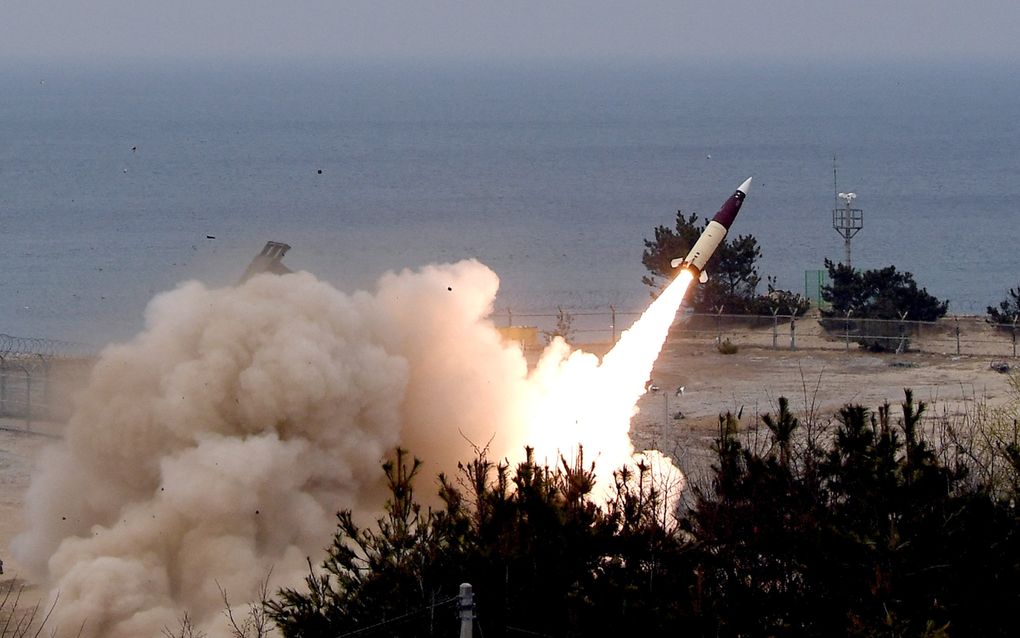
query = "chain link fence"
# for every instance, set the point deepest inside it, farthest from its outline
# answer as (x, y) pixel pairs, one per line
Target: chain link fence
(953, 336)
(33, 372)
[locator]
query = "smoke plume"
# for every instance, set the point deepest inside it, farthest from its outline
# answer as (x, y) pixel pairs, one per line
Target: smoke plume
(219, 443)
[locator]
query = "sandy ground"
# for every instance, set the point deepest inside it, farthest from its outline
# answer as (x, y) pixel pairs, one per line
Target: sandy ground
(682, 425)
(816, 382)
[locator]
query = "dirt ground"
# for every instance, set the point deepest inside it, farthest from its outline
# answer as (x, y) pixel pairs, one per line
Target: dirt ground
(679, 423)
(817, 382)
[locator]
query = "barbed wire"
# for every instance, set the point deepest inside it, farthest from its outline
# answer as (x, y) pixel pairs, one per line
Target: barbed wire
(50, 348)
(950, 335)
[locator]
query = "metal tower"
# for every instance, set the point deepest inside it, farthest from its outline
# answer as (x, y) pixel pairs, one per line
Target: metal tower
(847, 220)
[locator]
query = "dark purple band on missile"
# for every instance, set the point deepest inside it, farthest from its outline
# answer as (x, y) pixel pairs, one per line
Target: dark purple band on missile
(729, 210)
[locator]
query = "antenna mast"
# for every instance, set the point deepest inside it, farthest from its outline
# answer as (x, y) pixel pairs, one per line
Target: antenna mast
(847, 220)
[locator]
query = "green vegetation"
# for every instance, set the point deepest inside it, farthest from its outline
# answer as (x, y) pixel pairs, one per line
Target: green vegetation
(733, 272)
(883, 294)
(1008, 310)
(541, 556)
(857, 528)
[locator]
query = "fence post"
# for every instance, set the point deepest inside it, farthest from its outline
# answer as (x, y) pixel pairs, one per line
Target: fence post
(957, 319)
(793, 330)
(466, 607)
(718, 325)
(45, 366)
(903, 333)
(3, 386)
(775, 327)
(509, 318)
(1015, 317)
(28, 399)
(847, 328)
(612, 312)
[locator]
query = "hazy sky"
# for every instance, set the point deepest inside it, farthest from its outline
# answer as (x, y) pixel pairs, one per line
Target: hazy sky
(807, 30)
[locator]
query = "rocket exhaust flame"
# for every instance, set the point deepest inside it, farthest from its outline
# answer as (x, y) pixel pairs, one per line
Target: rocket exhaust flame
(581, 401)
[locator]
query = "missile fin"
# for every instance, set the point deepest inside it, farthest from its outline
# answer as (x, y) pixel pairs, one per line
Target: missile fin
(676, 262)
(703, 277)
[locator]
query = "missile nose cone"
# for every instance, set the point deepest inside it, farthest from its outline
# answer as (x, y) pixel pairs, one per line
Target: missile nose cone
(745, 188)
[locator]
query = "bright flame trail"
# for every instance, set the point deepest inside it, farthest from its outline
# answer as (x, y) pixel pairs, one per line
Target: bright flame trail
(581, 401)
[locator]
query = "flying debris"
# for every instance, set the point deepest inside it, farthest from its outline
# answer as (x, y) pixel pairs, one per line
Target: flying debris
(714, 233)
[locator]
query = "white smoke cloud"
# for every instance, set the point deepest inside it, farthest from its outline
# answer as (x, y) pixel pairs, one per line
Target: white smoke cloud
(220, 442)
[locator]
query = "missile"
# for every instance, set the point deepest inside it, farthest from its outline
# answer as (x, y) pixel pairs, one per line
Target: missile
(713, 235)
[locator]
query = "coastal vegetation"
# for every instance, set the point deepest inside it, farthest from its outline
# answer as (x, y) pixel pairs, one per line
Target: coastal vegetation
(881, 293)
(875, 523)
(885, 294)
(1008, 310)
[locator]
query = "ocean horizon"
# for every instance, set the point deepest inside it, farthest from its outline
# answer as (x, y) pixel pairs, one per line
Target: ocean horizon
(118, 183)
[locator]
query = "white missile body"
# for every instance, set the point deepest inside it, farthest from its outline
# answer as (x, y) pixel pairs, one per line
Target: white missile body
(713, 235)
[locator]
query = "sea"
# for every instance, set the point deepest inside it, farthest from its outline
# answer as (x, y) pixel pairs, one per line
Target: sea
(122, 180)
